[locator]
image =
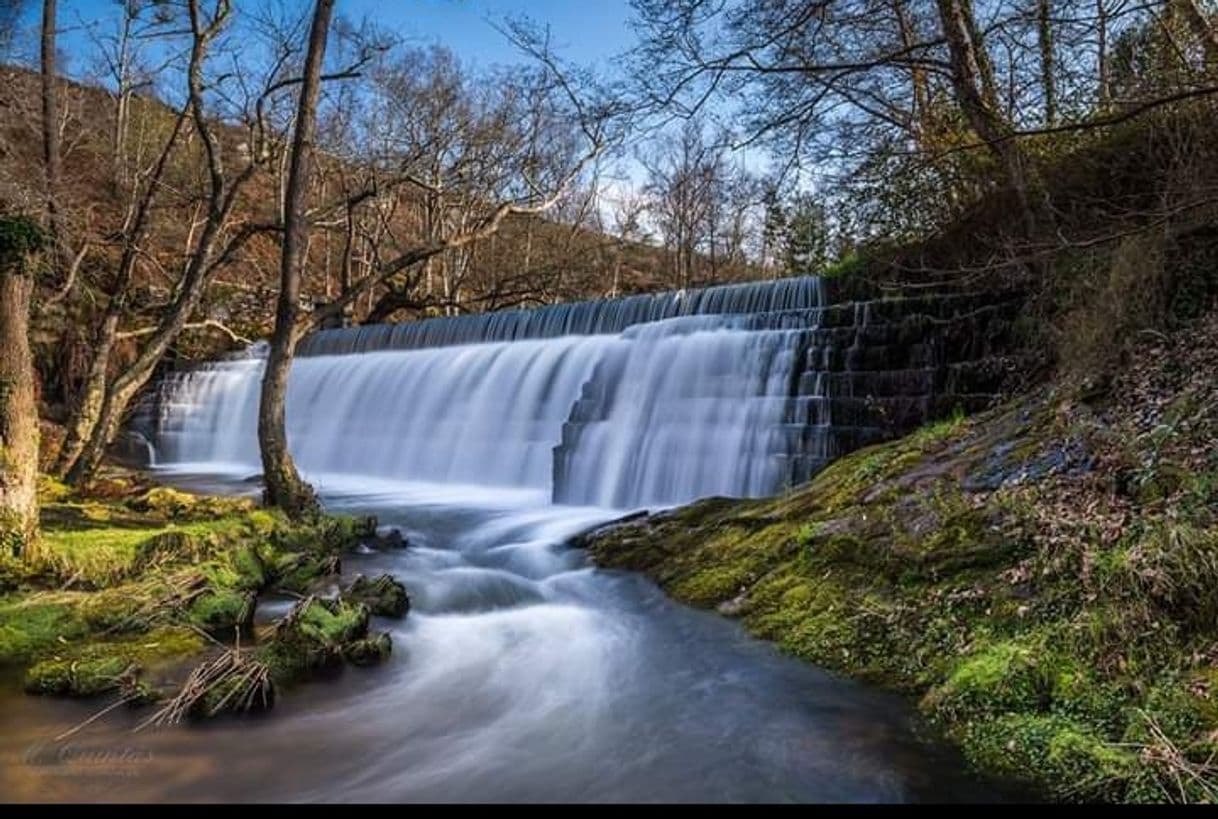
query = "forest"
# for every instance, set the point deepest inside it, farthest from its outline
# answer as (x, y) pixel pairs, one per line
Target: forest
(886, 329)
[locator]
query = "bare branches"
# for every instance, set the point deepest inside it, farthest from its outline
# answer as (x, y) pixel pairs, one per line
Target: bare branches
(206, 324)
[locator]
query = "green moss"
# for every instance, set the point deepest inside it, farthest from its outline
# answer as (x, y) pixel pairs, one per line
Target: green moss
(1047, 640)
(173, 504)
(1052, 752)
(319, 634)
(78, 678)
(51, 490)
(332, 623)
(163, 645)
(712, 584)
(20, 235)
(369, 650)
(341, 533)
(1003, 676)
(302, 573)
(34, 624)
(14, 572)
(384, 596)
(138, 577)
(97, 556)
(223, 612)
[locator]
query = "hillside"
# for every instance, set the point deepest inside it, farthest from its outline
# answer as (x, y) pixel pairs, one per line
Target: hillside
(531, 261)
(1041, 577)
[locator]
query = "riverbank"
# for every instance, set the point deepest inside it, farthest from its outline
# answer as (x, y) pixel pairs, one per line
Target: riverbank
(143, 594)
(519, 673)
(1043, 577)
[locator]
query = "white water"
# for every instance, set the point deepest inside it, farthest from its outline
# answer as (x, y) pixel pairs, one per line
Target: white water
(521, 673)
(672, 411)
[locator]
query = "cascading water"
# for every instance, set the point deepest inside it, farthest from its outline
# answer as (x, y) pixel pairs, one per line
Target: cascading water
(521, 673)
(646, 400)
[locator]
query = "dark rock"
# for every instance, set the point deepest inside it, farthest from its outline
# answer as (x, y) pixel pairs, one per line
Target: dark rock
(384, 596)
(388, 539)
(582, 539)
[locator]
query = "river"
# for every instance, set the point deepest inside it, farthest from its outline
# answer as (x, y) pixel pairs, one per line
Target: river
(521, 674)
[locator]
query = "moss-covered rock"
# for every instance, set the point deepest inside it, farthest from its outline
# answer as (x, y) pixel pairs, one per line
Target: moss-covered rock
(384, 596)
(224, 612)
(173, 504)
(368, 651)
(1082, 764)
(1041, 578)
(79, 678)
(306, 573)
(128, 582)
(330, 623)
(315, 635)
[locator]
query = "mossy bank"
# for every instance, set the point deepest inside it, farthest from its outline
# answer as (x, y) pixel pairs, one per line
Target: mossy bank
(1043, 577)
(129, 585)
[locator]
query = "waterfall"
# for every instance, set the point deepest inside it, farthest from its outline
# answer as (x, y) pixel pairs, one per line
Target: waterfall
(646, 400)
(579, 318)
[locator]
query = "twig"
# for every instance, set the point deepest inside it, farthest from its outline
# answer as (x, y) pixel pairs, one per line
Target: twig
(120, 701)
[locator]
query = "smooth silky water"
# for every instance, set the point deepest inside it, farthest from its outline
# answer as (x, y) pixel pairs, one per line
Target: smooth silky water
(521, 672)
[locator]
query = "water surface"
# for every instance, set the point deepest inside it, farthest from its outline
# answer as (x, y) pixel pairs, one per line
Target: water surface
(521, 673)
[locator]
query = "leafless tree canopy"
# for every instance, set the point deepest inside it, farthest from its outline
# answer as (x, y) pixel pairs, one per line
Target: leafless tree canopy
(877, 104)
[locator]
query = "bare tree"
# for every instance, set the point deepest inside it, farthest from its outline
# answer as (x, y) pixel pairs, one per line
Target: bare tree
(212, 243)
(1044, 38)
(122, 51)
(52, 165)
(700, 202)
(896, 101)
(523, 179)
(976, 93)
(88, 406)
(628, 213)
(283, 486)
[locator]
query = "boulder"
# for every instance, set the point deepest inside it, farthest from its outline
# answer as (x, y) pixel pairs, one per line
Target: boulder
(384, 596)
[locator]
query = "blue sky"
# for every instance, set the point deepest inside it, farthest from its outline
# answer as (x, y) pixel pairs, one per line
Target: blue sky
(584, 31)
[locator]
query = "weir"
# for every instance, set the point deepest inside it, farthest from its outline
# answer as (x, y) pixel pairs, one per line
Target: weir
(738, 390)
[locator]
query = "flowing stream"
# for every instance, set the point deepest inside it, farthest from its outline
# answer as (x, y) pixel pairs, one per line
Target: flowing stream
(521, 673)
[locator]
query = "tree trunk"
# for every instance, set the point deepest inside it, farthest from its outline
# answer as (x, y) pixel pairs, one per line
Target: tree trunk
(88, 406)
(18, 411)
(1101, 60)
(50, 127)
(973, 85)
(1044, 38)
(283, 486)
(921, 114)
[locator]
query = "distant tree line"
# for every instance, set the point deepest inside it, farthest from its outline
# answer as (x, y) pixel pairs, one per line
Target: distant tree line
(898, 116)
